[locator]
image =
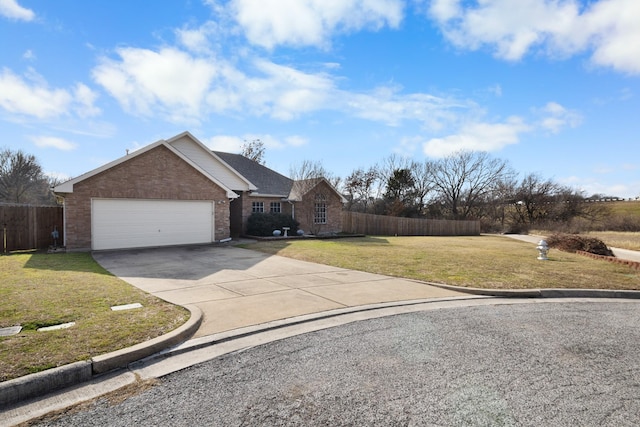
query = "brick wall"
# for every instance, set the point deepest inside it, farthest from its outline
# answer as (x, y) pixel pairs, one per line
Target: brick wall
(305, 211)
(157, 174)
(247, 204)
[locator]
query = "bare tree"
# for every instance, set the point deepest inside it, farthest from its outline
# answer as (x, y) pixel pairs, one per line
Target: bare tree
(309, 170)
(359, 185)
(254, 150)
(464, 179)
(423, 183)
(534, 198)
(22, 179)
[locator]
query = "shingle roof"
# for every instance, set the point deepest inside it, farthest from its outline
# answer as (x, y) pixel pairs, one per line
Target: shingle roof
(267, 180)
(302, 187)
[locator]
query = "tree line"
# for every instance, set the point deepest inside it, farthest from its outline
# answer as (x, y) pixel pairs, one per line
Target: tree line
(462, 186)
(22, 180)
(467, 185)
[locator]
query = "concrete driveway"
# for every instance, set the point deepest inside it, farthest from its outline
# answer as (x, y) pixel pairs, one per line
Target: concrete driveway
(236, 287)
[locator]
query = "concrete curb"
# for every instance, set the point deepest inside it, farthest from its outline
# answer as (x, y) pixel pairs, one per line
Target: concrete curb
(247, 331)
(121, 358)
(41, 383)
(544, 293)
(33, 385)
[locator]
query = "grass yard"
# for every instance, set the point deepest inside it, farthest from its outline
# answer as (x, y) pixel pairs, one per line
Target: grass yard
(39, 290)
(618, 239)
(625, 208)
(475, 261)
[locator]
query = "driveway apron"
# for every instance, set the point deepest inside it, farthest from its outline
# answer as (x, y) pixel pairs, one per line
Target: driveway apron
(237, 287)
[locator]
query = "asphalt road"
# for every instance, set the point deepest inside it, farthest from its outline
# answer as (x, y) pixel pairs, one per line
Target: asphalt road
(544, 364)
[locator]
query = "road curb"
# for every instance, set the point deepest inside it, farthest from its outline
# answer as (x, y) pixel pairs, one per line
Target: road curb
(35, 385)
(543, 293)
(41, 383)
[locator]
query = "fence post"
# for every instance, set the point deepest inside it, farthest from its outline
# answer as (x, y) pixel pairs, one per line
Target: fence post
(4, 238)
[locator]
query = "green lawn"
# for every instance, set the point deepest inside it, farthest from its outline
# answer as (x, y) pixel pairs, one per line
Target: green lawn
(37, 289)
(476, 261)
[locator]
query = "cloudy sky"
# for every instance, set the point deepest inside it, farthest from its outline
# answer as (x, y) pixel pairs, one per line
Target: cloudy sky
(552, 86)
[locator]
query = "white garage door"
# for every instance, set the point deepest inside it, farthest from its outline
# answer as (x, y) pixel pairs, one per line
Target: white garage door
(129, 223)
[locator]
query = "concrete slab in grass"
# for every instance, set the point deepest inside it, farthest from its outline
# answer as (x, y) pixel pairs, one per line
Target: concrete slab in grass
(11, 330)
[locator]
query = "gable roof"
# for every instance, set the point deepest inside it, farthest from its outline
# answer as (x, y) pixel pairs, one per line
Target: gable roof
(303, 186)
(200, 154)
(268, 181)
(67, 186)
(232, 172)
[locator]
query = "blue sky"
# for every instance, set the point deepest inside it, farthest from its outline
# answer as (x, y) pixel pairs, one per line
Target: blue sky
(552, 86)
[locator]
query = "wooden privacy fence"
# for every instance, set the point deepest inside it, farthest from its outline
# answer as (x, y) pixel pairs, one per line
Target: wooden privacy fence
(25, 227)
(381, 225)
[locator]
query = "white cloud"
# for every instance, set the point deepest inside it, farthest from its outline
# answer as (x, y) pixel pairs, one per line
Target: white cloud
(186, 88)
(408, 146)
(12, 10)
(478, 137)
(590, 186)
(389, 106)
(614, 30)
(198, 39)
(607, 28)
(53, 142)
(268, 23)
(296, 141)
(226, 143)
(29, 55)
(233, 144)
(32, 98)
(288, 92)
(85, 99)
(145, 81)
(556, 117)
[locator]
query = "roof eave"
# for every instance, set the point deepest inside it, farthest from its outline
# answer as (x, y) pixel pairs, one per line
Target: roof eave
(67, 187)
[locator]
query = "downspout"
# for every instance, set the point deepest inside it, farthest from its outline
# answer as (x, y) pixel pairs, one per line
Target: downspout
(293, 208)
(64, 221)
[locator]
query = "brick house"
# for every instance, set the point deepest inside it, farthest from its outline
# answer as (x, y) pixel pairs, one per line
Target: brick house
(314, 203)
(177, 191)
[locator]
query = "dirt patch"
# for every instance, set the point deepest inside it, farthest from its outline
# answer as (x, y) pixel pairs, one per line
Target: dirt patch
(575, 242)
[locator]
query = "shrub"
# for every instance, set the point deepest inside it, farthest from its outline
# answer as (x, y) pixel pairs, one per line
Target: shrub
(263, 224)
(575, 242)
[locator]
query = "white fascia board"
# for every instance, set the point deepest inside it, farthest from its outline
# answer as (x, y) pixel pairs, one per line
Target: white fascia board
(252, 187)
(67, 187)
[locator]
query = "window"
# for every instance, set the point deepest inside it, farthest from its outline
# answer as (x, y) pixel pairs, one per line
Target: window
(320, 212)
(257, 207)
(274, 207)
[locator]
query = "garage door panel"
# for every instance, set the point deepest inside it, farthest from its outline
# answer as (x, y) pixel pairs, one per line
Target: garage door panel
(125, 223)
